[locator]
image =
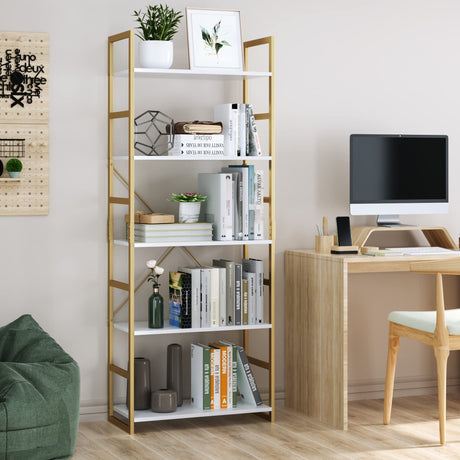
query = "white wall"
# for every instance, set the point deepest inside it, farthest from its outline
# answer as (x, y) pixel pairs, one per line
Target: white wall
(341, 67)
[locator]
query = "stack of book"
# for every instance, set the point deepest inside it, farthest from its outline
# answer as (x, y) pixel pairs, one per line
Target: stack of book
(218, 372)
(193, 138)
(156, 233)
(239, 128)
(226, 294)
(235, 202)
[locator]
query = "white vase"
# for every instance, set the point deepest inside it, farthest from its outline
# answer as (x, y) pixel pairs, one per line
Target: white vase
(156, 54)
(189, 212)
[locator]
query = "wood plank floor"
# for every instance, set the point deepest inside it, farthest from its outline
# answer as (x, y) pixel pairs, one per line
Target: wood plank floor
(413, 434)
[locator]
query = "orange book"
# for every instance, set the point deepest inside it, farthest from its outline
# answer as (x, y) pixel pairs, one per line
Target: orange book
(223, 374)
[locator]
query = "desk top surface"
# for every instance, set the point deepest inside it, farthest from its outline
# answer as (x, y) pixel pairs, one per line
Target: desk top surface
(369, 264)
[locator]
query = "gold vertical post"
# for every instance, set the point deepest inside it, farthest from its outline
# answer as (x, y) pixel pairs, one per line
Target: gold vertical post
(131, 230)
(110, 230)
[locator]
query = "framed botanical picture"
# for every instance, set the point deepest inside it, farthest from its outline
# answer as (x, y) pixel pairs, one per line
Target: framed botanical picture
(214, 39)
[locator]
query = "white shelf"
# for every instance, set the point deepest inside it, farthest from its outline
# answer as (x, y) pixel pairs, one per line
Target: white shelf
(191, 158)
(167, 244)
(141, 328)
(188, 411)
(169, 73)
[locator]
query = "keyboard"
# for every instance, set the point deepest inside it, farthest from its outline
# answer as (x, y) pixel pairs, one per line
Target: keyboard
(422, 251)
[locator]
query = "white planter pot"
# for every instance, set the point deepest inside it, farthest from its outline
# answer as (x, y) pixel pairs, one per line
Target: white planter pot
(189, 212)
(156, 54)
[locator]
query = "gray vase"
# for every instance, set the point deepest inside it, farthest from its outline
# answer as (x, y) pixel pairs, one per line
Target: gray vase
(174, 371)
(142, 391)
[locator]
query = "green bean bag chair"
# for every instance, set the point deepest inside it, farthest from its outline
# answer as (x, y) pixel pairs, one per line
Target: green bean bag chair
(39, 394)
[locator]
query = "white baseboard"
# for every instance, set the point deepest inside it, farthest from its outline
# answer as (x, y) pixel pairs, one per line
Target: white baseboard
(92, 411)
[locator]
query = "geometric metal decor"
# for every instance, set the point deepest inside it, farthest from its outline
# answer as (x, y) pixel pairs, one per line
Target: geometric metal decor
(154, 133)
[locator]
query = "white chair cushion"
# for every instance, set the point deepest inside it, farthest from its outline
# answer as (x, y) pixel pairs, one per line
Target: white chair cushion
(426, 320)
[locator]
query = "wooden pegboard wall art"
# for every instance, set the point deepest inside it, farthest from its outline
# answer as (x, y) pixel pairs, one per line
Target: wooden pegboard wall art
(24, 117)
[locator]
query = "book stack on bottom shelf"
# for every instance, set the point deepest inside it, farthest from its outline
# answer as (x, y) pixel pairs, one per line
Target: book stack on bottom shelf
(222, 383)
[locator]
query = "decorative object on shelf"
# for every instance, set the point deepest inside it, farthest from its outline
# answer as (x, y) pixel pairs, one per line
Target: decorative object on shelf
(14, 167)
(156, 304)
(141, 217)
(189, 206)
(12, 148)
(157, 129)
(163, 400)
(198, 127)
(214, 39)
(142, 387)
(157, 26)
(1, 167)
(174, 370)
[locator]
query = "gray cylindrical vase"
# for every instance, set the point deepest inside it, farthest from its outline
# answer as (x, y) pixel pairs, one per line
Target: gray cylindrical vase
(142, 390)
(174, 371)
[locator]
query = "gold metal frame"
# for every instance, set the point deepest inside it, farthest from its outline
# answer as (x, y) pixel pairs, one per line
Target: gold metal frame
(129, 287)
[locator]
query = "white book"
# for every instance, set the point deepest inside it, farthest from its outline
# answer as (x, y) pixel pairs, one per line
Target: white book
(229, 267)
(251, 278)
(214, 296)
(242, 129)
(227, 114)
(243, 176)
(196, 144)
(259, 204)
(195, 272)
(222, 295)
(254, 148)
(215, 376)
(200, 371)
(256, 266)
(205, 298)
(218, 208)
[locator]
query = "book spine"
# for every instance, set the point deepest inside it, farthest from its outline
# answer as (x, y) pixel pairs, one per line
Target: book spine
(237, 282)
(230, 294)
(205, 297)
(229, 376)
(227, 214)
(254, 141)
(212, 380)
(248, 378)
(216, 378)
(206, 378)
(259, 205)
(225, 114)
(235, 374)
(244, 307)
(223, 378)
(214, 297)
(197, 152)
(242, 129)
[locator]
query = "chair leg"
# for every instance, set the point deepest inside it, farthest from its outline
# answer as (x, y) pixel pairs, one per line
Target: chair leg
(393, 345)
(441, 355)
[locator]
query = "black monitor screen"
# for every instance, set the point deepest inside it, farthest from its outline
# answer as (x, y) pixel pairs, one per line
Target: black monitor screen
(398, 168)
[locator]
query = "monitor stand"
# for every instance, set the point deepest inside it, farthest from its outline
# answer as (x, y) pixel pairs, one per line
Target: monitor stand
(388, 220)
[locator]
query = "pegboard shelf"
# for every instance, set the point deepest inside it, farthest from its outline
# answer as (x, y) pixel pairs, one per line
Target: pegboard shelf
(10, 179)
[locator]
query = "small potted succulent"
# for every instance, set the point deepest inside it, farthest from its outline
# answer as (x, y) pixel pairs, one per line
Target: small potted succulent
(189, 206)
(14, 167)
(157, 27)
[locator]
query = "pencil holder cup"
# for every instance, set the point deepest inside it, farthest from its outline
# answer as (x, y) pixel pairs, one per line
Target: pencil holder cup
(323, 244)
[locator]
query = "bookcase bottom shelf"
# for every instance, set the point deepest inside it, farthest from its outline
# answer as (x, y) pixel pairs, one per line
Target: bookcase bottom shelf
(187, 411)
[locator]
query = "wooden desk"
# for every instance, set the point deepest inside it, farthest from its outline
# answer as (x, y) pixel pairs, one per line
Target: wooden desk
(316, 328)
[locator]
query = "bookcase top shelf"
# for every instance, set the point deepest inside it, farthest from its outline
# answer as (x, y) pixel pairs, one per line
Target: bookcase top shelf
(165, 244)
(191, 158)
(141, 328)
(169, 73)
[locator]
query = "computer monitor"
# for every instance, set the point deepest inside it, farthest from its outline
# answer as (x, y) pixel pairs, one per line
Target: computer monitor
(393, 174)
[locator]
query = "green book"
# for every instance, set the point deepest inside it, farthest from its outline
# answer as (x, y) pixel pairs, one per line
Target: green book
(201, 376)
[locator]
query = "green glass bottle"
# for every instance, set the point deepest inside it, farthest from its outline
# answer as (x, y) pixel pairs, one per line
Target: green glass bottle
(156, 320)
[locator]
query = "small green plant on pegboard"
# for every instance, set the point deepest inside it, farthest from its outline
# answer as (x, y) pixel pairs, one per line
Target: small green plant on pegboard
(14, 167)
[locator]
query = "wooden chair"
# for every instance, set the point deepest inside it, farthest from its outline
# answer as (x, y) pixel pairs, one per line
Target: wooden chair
(438, 329)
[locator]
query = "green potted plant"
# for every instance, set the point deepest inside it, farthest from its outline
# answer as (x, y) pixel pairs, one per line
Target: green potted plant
(157, 27)
(14, 167)
(189, 206)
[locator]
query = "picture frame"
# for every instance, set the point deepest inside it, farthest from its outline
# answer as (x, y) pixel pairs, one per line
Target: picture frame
(214, 39)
